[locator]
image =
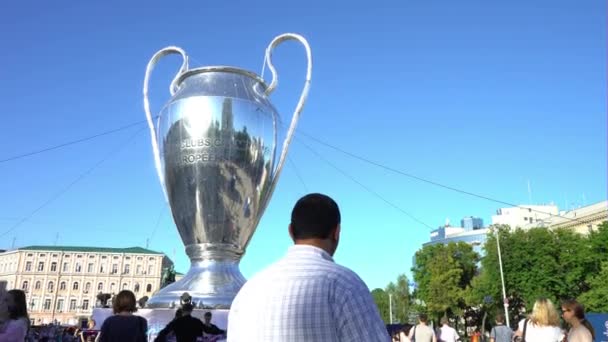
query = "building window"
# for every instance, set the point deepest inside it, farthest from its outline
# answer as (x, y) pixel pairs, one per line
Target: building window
(150, 269)
(138, 269)
(59, 306)
(140, 258)
(112, 285)
(87, 287)
(65, 267)
(136, 288)
(114, 268)
(85, 304)
(79, 256)
(40, 266)
(50, 286)
(28, 266)
(38, 285)
(128, 258)
(100, 287)
(127, 268)
(30, 254)
(33, 304)
(124, 286)
(24, 286)
(102, 268)
(149, 288)
(91, 256)
(90, 268)
(54, 255)
(42, 255)
(62, 285)
(66, 256)
(78, 267)
(75, 286)
(72, 304)
(151, 259)
(53, 267)
(115, 257)
(47, 304)
(104, 257)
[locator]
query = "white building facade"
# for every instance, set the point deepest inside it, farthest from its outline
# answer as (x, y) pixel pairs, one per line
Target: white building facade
(524, 215)
(61, 282)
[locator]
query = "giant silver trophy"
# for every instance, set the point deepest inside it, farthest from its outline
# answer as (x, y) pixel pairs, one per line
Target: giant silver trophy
(215, 153)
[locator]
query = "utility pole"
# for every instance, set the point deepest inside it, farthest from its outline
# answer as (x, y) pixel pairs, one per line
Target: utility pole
(502, 279)
(390, 307)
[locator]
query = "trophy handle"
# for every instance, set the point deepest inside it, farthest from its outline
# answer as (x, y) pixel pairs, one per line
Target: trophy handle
(275, 80)
(172, 89)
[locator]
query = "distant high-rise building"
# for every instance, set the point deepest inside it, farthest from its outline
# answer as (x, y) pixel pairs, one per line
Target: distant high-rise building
(471, 223)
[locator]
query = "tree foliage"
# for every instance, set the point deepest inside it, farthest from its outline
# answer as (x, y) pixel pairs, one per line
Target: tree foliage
(557, 264)
(596, 299)
(400, 297)
(443, 272)
(381, 300)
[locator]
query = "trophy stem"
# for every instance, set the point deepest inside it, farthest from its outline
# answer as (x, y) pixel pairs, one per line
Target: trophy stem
(212, 281)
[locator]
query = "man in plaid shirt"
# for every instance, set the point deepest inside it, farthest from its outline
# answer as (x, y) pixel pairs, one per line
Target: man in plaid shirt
(306, 296)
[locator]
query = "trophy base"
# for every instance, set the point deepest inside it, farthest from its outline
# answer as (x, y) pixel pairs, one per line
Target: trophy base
(211, 284)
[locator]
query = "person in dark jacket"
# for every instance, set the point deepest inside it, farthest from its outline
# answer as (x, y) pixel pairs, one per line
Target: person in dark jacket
(124, 326)
(188, 328)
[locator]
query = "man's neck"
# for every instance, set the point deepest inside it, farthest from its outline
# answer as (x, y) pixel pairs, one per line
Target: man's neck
(575, 323)
(322, 244)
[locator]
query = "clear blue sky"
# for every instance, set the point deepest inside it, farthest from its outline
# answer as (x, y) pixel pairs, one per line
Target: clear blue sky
(477, 95)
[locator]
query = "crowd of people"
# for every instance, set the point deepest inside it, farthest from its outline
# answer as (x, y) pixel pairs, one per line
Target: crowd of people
(542, 325)
(304, 297)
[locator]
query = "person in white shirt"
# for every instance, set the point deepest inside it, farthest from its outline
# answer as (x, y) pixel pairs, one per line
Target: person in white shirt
(422, 332)
(306, 296)
(542, 325)
(580, 328)
(446, 332)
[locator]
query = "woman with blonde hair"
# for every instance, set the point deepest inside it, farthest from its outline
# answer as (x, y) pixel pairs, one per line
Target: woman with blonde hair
(580, 328)
(542, 325)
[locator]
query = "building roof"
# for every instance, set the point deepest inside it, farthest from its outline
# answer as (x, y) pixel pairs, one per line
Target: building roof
(135, 250)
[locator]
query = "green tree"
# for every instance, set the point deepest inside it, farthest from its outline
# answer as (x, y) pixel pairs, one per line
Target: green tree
(539, 262)
(381, 300)
(596, 299)
(401, 298)
(443, 272)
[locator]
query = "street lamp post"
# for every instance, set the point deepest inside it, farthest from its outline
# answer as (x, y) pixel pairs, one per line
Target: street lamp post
(502, 279)
(390, 307)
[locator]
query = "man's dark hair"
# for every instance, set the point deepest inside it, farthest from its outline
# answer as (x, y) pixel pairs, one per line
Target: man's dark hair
(314, 216)
(187, 307)
(124, 302)
(20, 308)
(207, 314)
(500, 318)
(423, 318)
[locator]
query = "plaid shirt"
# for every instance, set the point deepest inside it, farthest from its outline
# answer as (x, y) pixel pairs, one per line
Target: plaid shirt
(305, 297)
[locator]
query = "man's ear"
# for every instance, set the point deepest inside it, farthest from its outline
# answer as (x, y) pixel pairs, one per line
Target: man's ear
(291, 232)
(336, 234)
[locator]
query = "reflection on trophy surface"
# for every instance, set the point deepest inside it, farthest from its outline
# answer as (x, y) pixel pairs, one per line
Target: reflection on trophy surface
(215, 149)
